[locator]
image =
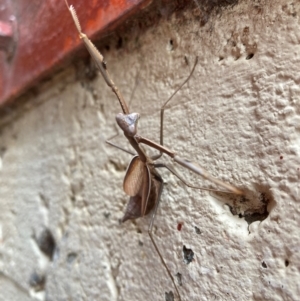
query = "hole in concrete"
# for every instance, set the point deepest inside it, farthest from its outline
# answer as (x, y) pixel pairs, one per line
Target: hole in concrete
(106, 215)
(179, 278)
(171, 45)
(253, 217)
(264, 265)
(197, 230)
(37, 281)
(253, 206)
(219, 269)
(71, 257)
(169, 296)
(46, 243)
(286, 263)
(188, 255)
(260, 212)
(249, 56)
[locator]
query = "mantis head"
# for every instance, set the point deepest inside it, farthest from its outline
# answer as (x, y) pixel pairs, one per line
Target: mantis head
(128, 123)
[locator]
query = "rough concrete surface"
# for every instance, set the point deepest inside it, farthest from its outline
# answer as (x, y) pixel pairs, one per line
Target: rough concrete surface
(239, 117)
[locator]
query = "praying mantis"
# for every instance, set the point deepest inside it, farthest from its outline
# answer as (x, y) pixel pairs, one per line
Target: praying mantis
(142, 182)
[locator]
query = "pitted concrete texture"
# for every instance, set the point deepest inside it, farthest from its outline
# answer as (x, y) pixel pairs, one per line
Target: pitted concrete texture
(239, 117)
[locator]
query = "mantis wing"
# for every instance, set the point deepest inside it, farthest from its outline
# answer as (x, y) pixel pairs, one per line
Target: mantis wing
(137, 184)
(133, 209)
(134, 176)
(146, 187)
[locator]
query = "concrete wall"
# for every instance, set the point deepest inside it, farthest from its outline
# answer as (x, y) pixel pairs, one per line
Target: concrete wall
(239, 117)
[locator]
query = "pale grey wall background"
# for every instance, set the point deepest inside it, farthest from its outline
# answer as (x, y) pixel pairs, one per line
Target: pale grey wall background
(239, 117)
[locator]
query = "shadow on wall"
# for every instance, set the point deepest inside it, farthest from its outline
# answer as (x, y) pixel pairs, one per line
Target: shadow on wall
(206, 7)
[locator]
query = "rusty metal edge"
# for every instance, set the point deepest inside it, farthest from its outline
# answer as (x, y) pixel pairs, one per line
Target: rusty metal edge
(18, 75)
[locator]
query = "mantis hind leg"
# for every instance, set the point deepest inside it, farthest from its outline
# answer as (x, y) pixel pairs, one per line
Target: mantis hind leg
(162, 110)
(159, 182)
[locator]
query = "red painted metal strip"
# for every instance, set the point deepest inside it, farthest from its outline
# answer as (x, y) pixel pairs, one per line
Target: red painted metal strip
(45, 36)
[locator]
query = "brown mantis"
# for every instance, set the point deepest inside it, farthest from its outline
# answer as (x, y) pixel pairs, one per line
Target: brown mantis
(142, 182)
